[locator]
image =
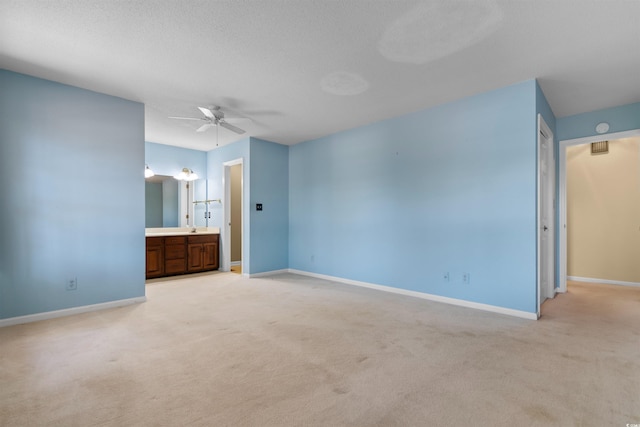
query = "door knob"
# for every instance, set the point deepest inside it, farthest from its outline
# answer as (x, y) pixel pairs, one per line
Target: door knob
(545, 228)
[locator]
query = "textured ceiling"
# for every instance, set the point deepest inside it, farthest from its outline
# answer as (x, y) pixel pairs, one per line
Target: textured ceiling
(304, 69)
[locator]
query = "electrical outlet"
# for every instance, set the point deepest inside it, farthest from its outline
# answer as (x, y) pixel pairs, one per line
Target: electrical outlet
(72, 284)
(446, 277)
(466, 278)
(258, 206)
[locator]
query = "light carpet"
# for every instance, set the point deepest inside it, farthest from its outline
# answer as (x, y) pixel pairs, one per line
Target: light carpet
(223, 350)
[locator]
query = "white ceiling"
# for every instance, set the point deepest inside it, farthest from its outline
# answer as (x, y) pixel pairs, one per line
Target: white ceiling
(305, 69)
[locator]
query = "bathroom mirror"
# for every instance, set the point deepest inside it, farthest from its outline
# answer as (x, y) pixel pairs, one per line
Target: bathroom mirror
(161, 201)
(167, 202)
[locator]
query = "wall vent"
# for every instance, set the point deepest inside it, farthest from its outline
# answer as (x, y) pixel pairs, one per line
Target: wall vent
(601, 147)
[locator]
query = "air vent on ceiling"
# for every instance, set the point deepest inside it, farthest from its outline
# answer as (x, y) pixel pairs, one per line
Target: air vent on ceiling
(601, 147)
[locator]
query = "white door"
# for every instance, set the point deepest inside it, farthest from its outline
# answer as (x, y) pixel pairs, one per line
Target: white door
(546, 213)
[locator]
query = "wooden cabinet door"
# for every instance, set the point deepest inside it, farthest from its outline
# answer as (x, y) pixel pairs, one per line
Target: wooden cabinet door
(210, 255)
(155, 261)
(195, 257)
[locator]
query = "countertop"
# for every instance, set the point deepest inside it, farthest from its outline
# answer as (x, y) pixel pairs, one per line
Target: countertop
(180, 231)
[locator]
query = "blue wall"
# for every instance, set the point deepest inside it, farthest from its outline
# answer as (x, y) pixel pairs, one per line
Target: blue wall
(77, 208)
(169, 160)
(620, 119)
(269, 186)
(400, 202)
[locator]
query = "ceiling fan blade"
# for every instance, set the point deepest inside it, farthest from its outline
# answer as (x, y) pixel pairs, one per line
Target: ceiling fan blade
(185, 118)
(237, 120)
(204, 127)
(206, 112)
(231, 127)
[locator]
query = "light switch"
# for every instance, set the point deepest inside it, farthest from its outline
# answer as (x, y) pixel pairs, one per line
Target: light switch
(258, 206)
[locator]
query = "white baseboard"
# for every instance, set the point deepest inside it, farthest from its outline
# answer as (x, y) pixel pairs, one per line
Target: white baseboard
(234, 263)
(430, 297)
(603, 281)
(69, 311)
(267, 273)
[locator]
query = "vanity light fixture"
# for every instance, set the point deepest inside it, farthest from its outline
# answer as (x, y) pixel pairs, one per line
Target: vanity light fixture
(186, 175)
(148, 173)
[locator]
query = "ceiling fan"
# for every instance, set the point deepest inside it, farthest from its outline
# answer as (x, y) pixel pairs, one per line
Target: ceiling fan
(214, 116)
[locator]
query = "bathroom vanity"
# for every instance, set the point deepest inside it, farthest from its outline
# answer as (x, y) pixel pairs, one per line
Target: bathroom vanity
(181, 251)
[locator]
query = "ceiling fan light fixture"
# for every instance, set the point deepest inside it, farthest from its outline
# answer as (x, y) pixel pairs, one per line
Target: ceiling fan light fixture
(213, 117)
(148, 173)
(186, 175)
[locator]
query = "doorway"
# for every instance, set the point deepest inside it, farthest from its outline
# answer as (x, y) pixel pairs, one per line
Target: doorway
(233, 226)
(236, 218)
(562, 187)
(546, 213)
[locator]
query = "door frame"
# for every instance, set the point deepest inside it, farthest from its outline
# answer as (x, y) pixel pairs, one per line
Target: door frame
(225, 230)
(562, 193)
(545, 132)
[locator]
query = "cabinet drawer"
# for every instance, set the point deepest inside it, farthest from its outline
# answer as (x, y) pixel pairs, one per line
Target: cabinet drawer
(174, 240)
(155, 241)
(203, 239)
(172, 266)
(174, 252)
